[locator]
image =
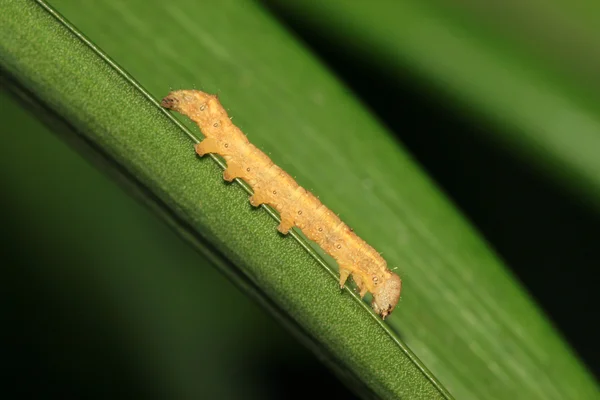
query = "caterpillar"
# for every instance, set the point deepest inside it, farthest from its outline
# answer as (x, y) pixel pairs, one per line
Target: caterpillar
(296, 206)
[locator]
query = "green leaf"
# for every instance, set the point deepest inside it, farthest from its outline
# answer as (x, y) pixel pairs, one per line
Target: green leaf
(530, 71)
(461, 312)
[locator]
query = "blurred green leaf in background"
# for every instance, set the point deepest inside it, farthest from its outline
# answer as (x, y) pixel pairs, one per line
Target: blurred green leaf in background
(451, 141)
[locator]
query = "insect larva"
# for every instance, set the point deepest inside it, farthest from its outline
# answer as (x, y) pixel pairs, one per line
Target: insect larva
(297, 206)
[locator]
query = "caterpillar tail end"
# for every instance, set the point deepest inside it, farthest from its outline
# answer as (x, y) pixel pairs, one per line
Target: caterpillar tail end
(387, 296)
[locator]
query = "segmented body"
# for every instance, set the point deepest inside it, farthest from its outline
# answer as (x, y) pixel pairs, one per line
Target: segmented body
(297, 206)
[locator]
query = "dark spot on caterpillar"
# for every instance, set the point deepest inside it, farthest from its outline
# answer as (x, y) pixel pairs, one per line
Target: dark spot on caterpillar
(339, 246)
(320, 229)
(300, 212)
(274, 191)
(248, 169)
(203, 107)
(216, 124)
(226, 145)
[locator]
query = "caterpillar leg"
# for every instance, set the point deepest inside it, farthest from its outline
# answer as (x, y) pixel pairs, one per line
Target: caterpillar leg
(208, 145)
(344, 274)
(363, 291)
(287, 223)
(232, 172)
(256, 199)
(361, 286)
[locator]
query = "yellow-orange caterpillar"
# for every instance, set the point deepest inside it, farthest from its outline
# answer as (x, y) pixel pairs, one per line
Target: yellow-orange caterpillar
(296, 205)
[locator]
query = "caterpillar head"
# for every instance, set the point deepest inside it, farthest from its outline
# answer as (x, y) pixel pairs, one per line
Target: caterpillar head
(193, 103)
(387, 295)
